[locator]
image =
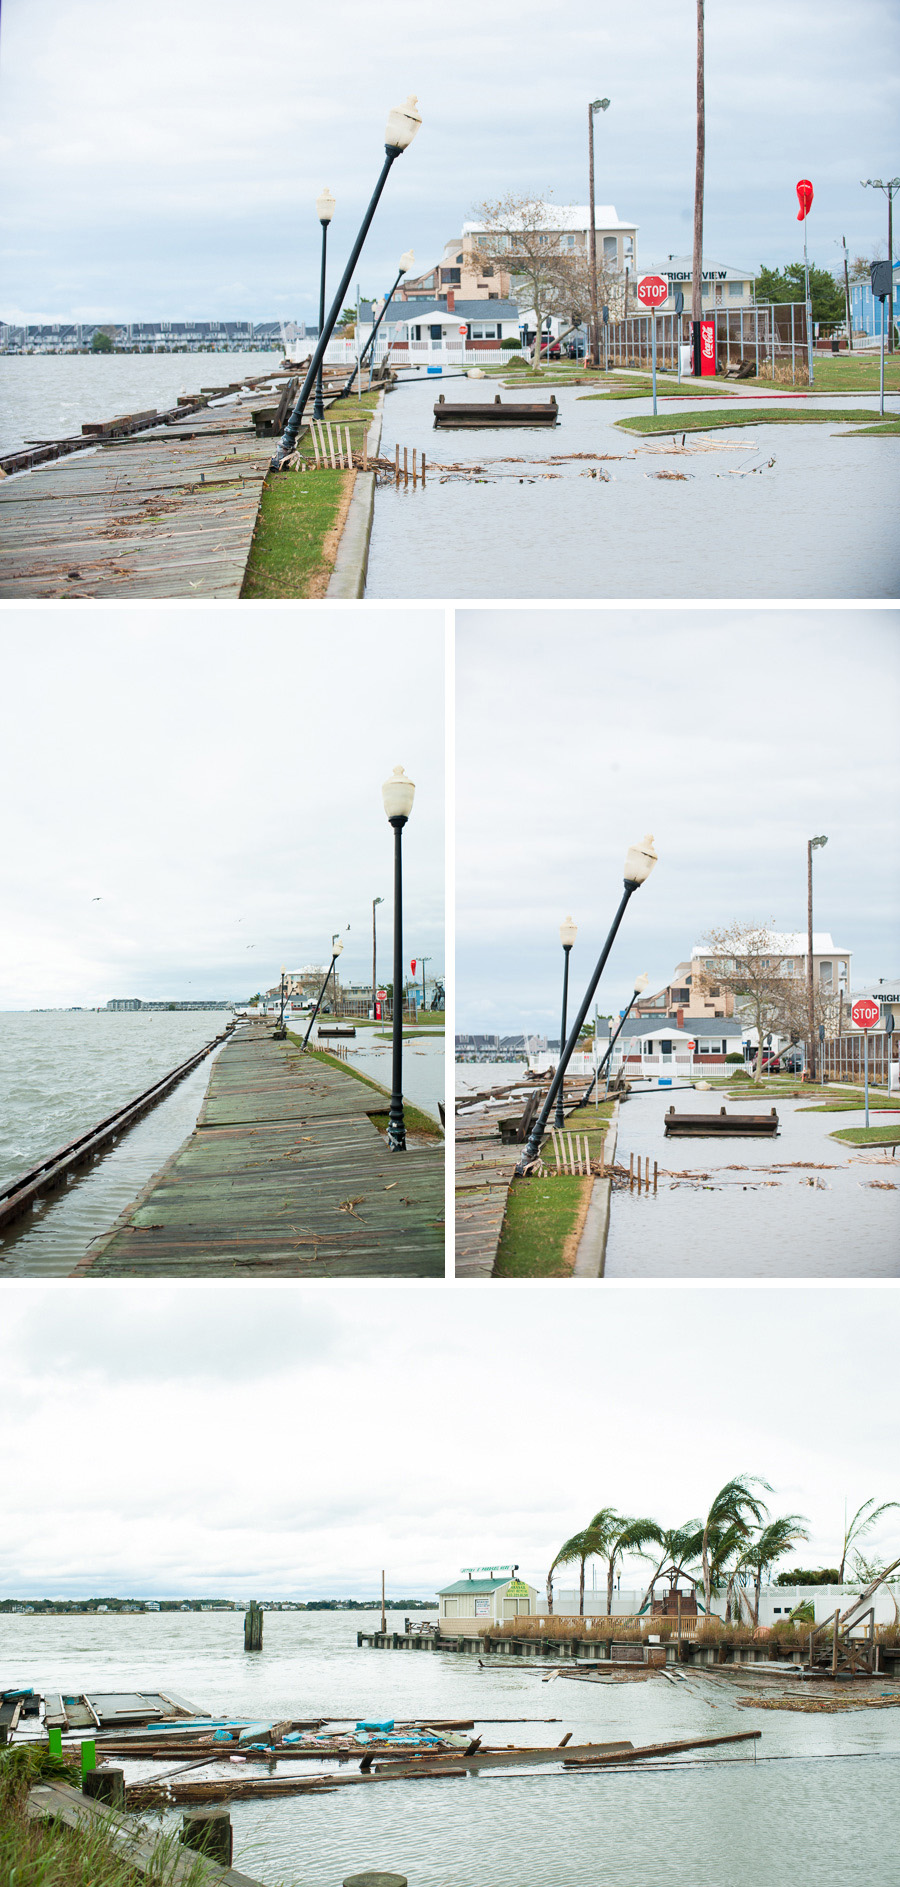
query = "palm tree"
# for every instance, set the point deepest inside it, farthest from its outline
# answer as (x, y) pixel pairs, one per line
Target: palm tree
(680, 1545)
(775, 1539)
(735, 1505)
(861, 1523)
(616, 1536)
(581, 1547)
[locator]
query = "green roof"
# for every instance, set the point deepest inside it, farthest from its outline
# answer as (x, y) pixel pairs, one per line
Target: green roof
(474, 1585)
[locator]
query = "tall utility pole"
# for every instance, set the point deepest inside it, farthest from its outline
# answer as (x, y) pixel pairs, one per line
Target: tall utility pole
(811, 846)
(847, 298)
(374, 984)
(697, 270)
(889, 188)
(598, 104)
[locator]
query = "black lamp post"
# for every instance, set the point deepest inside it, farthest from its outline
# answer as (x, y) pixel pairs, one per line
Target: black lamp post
(336, 948)
(567, 935)
(597, 104)
(639, 987)
(375, 903)
(406, 262)
(402, 125)
(325, 212)
(281, 1030)
(639, 862)
(398, 793)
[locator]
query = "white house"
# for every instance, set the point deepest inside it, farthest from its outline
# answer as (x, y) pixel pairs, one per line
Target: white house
(723, 286)
(470, 1603)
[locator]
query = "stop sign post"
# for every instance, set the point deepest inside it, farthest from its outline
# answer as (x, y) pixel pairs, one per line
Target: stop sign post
(865, 1014)
(652, 291)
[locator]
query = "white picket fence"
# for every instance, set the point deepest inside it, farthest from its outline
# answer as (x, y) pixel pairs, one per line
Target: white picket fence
(422, 354)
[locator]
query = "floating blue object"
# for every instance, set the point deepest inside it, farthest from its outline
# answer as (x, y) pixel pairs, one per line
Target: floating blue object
(434, 370)
(389, 1723)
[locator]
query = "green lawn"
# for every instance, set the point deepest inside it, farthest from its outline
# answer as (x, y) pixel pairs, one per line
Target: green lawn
(739, 415)
(540, 1214)
(850, 1107)
(868, 1136)
(289, 556)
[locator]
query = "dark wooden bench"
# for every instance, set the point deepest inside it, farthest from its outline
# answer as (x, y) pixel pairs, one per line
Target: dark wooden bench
(515, 1128)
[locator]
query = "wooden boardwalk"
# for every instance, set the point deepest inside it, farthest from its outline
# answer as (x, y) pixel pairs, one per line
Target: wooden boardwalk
(162, 513)
(484, 1169)
(284, 1176)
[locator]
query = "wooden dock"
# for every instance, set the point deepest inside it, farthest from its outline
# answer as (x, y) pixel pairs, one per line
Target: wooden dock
(165, 512)
(484, 1168)
(285, 1175)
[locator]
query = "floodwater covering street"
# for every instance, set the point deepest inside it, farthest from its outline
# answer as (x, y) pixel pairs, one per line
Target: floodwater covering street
(814, 1802)
(423, 1061)
(818, 522)
(801, 1205)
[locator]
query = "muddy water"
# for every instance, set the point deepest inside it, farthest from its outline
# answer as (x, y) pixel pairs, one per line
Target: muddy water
(816, 1804)
(736, 526)
(803, 1205)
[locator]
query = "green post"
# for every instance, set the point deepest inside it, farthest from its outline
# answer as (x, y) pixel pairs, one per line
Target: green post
(54, 1742)
(88, 1757)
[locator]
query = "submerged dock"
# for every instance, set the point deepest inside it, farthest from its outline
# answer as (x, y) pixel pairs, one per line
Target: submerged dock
(286, 1175)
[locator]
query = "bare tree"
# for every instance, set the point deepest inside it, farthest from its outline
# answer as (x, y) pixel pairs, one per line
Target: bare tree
(518, 235)
(748, 962)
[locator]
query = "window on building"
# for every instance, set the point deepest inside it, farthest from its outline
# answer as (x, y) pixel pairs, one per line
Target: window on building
(826, 975)
(610, 249)
(451, 277)
(789, 966)
(735, 288)
(648, 1048)
(482, 1608)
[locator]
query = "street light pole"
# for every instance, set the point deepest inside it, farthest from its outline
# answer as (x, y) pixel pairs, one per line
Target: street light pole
(374, 975)
(406, 262)
(402, 125)
(890, 190)
(398, 793)
(336, 949)
(639, 862)
(640, 985)
(567, 935)
(598, 104)
(325, 212)
(811, 846)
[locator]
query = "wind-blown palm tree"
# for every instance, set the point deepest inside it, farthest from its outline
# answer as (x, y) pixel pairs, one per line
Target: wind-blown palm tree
(581, 1547)
(775, 1539)
(680, 1546)
(617, 1535)
(863, 1521)
(735, 1505)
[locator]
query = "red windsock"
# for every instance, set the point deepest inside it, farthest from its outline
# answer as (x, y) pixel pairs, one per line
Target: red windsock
(412, 965)
(804, 197)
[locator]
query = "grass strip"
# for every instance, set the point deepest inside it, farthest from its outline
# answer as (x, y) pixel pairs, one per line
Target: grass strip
(739, 415)
(289, 555)
(416, 1121)
(853, 1107)
(868, 1136)
(49, 1854)
(540, 1215)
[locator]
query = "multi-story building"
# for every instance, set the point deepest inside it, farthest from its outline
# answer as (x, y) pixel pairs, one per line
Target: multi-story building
(690, 1000)
(723, 287)
(568, 228)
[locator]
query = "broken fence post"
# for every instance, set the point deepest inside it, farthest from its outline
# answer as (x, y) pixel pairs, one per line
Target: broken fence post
(88, 1757)
(106, 1785)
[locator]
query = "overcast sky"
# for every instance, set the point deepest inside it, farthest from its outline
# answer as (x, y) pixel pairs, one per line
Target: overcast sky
(521, 1420)
(193, 795)
(164, 161)
(734, 736)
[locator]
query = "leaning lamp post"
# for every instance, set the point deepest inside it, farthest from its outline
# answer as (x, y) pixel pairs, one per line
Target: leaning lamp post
(639, 862)
(406, 262)
(324, 211)
(567, 935)
(597, 104)
(336, 948)
(398, 794)
(812, 845)
(640, 984)
(402, 125)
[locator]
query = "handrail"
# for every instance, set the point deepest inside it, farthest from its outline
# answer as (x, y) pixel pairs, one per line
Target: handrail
(19, 1194)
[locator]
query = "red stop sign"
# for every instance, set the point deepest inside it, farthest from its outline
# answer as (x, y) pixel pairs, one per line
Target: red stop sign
(463, 328)
(652, 290)
(865, 1013)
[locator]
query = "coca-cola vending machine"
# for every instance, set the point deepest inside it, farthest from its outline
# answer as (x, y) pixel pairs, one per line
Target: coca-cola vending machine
(707, 347)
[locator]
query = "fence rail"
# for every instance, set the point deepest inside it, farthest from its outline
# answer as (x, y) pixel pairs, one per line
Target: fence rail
(770, 334)
(843, 1057)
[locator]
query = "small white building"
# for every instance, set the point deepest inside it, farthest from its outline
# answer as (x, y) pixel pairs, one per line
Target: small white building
(723, 287)
(470, 1603)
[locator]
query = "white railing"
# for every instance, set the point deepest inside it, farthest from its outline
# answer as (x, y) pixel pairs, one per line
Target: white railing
(421, 353)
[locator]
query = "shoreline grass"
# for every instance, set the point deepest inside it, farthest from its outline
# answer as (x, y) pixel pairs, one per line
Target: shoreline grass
(868, 1136)
(301, 514)
(741, 415)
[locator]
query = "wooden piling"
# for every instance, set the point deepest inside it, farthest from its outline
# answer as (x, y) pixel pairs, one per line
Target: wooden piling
(405, 466)
(376, 1880)
(209, 1830)
(415, 476)
(654, 1175)
(631, 1172)
(349, 449)
(423, 471)
(396, 465)
(106, 1785)
(331, 444)
(253, 1627)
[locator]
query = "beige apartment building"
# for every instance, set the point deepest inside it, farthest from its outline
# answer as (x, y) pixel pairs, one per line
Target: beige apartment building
(694, 991)
(568, 225)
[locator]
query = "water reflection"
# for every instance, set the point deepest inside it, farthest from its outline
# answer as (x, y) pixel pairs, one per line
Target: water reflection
(802, 1205)
(725, 531)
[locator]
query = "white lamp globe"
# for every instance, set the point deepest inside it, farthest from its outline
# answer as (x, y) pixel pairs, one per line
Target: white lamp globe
(568, 933)
(325, 205)
(640, 859)
(403, 123)
(398, 794)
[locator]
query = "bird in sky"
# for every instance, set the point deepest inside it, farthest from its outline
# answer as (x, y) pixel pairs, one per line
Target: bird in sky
(96, 900)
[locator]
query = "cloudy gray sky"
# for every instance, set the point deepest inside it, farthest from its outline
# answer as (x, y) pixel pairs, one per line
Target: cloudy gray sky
(164, 161)
(732, 735)
(569, 1409)
(193, 795)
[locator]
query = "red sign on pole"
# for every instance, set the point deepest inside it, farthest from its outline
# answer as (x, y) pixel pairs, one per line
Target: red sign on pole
(463, 328)
(652, 291)
(865, 1013)
(707, 347)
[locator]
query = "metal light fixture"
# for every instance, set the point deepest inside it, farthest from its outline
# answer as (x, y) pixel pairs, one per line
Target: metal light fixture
(406, 261)
(402, 126)
(812, 845)
(336, 948)
(640, 984)
(597, 104)
(325, 205)
(398, 794)
(567, 935)
(640, 860)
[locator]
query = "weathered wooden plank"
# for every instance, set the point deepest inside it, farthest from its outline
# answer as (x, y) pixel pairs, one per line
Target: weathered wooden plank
(127, 1837)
